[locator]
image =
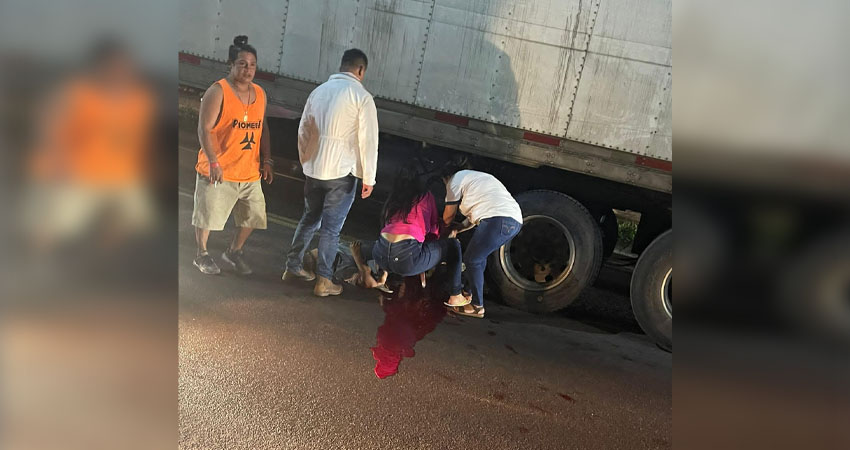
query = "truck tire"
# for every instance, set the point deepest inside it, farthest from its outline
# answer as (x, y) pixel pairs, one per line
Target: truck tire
(814, 288)
(652, 290)
(555, 256)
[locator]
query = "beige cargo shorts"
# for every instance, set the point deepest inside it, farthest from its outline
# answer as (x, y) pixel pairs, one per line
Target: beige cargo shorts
(214, 203)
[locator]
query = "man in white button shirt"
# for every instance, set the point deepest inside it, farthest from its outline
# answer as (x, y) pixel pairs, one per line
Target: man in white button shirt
(337, 144)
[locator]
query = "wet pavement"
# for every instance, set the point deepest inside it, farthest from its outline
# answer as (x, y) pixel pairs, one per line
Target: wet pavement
(266, 365)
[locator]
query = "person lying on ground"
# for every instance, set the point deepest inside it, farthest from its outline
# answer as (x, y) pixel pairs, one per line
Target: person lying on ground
(345, 270)
(409, 243)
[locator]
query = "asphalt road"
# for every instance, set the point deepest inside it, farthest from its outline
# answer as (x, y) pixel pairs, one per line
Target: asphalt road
(265, 365)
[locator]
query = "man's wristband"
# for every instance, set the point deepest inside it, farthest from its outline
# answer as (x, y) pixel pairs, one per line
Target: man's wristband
(215, 164)
(269, 162)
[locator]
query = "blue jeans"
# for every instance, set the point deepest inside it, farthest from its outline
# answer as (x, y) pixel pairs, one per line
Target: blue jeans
(490, 234)
(411, 257)
(326, 204)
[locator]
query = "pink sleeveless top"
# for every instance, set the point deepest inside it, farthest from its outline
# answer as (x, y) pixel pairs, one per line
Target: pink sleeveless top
(420, 222)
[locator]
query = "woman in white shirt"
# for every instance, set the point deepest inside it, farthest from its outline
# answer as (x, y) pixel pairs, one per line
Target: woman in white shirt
(489, 206)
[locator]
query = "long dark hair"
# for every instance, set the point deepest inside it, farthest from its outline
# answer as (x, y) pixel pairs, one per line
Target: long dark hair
(410, 185)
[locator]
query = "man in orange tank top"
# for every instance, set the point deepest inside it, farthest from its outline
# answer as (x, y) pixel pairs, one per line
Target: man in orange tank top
(234, 136)
(90, 167)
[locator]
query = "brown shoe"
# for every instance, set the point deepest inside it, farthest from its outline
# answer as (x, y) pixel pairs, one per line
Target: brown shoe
(302, 274)
(325, 287)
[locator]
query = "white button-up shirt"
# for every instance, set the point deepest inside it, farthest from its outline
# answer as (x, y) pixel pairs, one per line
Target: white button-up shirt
(338, 134)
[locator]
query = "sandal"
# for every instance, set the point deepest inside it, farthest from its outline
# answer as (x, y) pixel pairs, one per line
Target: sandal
(477, 311)
(467, 300)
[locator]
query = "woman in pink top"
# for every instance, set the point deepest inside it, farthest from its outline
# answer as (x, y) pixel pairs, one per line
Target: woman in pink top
(410, 241)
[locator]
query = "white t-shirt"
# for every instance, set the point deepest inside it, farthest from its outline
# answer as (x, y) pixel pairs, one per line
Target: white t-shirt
(481, 196)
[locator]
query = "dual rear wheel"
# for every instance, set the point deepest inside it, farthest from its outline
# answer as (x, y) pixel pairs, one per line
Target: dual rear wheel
(558, 253)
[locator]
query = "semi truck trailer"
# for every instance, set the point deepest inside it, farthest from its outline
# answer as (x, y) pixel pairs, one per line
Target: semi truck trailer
(567, 102)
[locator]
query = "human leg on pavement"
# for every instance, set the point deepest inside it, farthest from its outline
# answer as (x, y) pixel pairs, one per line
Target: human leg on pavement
(450, 252)
(361, 253)
(233, 255)
(201, 238)
(212, 206)
(249, 214)
(490, 234)
(337, 202)
(239, 237)
(311, 219)
(447, 250)
(203, 261)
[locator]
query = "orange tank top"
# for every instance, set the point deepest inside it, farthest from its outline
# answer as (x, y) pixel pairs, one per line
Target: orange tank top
(101, 138)
(238, 138)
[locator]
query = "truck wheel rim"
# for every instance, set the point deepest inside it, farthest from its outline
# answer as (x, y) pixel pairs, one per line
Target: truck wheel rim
(543, 243)
(667, 292)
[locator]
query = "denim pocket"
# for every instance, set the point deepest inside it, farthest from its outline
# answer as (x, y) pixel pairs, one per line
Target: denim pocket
(400, 253)
(509, 227)
(401, 256)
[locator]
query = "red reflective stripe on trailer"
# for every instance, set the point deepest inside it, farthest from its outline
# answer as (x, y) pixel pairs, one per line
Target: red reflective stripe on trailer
(659, 164)
(543, 139)
(191, 59)
(264, 76)
(452, 119)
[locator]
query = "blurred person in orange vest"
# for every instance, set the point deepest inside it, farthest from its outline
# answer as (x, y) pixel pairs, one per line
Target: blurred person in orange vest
(93, 152)
(235, 153)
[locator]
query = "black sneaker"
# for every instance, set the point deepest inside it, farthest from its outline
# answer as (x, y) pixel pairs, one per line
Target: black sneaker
(234, 258)
(206, 264)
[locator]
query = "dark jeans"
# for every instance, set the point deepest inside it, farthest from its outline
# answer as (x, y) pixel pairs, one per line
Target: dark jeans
(344, 266)
(326, 204)
(411, 257)
(490, 234)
